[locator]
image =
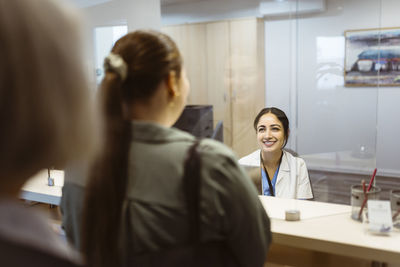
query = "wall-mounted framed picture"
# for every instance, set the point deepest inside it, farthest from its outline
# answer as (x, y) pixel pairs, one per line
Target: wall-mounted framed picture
(372, 57)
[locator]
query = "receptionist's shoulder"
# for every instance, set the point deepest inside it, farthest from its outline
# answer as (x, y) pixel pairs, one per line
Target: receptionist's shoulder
(253, 159)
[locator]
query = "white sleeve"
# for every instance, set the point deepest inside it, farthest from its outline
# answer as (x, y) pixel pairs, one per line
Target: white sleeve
(251, 160)
(304, 190)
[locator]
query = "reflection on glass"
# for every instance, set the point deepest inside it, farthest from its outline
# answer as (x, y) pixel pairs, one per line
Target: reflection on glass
(337, 126)
(330, 57)
(342, 132)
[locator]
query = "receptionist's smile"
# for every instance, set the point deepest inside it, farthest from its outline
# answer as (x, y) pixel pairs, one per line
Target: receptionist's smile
(270, 134)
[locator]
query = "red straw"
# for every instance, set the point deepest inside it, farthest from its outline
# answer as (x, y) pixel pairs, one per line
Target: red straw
(365, 195)
(372, 180)
(364, 187)
(365, 198)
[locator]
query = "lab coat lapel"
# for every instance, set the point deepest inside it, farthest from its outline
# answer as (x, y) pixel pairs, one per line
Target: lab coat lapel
(284, 170)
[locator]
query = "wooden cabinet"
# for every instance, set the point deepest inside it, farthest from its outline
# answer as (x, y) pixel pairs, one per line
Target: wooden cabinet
(225, 65)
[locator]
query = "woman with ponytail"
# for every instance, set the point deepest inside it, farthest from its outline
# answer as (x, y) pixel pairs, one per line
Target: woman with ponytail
(156, 196)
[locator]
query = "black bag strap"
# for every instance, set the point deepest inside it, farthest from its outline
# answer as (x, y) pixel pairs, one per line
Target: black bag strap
(193, 254)
(216, 250)
(271, 189)
(192, 188)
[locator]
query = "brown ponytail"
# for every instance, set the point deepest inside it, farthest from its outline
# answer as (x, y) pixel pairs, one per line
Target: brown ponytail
(150, 57)
(107, 182)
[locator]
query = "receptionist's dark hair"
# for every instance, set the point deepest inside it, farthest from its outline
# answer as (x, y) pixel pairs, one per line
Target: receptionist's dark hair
(281, 117)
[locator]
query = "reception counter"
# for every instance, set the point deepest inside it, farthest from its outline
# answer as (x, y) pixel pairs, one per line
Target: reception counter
(325, 236)
(37, 188)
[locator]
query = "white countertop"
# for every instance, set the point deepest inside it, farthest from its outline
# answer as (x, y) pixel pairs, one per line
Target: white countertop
(323, 227)
(328, 228)
(276, 208)
(37, 188)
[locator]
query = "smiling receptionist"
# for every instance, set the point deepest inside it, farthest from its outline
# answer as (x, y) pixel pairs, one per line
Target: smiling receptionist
(286, 174)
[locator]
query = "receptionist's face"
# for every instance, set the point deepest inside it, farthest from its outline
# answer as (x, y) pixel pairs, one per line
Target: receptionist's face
(270, 133)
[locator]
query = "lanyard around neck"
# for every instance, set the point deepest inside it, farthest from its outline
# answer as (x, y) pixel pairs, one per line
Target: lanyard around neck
(271, 189)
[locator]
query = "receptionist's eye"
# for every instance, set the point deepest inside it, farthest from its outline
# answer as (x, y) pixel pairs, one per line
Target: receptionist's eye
(261, 129)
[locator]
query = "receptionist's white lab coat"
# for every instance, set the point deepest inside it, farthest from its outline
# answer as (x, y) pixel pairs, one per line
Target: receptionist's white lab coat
(292, 180)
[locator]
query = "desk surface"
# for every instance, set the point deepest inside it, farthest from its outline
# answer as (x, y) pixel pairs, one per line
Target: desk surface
(323, 227)
(276, 208)
(334, 233)
(37, 189)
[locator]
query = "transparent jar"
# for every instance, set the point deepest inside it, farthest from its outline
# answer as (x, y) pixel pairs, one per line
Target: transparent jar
(395, 205)
(357, 201)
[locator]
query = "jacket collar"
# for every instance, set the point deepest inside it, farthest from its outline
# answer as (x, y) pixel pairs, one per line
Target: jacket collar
(284, 168)
(144, 131)
(285, 162)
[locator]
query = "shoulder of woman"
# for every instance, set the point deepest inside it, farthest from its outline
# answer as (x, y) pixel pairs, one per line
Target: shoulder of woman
(211, 147)
(221, 165)
(300, 163)
(251, 160)
(290, 156)
(28, 228)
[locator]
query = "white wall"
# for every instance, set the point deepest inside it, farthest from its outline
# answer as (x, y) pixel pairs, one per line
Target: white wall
(210, 10)
(136, 14)
(104, 40)
(331, 117)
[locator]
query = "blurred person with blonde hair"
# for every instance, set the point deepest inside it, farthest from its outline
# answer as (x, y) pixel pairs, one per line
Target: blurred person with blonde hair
(46, 116)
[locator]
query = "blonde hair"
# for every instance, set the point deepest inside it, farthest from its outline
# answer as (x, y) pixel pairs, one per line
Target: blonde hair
(46, 116)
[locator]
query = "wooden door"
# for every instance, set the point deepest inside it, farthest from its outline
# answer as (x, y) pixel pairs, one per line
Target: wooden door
(219, 71)
(191, 41)
(247, 81)
(225, 65)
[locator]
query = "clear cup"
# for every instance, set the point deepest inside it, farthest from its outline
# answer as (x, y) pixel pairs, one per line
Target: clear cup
(395, 204)
(357, 200)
